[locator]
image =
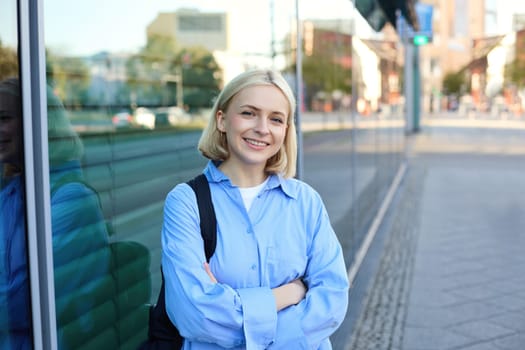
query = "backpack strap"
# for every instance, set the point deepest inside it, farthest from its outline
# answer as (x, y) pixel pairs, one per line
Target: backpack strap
(162, 334)
(208, 221)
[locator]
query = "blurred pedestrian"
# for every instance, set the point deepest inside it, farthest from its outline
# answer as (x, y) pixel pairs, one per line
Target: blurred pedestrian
(277, 279)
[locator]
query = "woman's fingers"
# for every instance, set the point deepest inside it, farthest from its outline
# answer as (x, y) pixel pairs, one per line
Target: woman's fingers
(208, 271)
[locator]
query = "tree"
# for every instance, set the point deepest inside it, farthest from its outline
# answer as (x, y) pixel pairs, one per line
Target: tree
(147, 70)
(69, 77)
(200, 75)
(155, 73)
(325, 69)
(515, 72)
(453, 82)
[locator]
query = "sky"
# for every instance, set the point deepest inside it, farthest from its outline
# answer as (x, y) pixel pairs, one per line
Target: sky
(84, 27)
(100, 28)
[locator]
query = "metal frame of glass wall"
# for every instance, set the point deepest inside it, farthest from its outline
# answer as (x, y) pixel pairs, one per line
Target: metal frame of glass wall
(39, 231)
(32, 71)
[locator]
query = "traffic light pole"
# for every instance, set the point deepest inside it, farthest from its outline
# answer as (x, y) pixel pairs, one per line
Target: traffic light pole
(412, 86)
(417, 90)
(408, 85)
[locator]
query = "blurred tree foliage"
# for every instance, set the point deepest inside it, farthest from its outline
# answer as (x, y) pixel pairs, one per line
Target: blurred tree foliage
(326, 69)
(8, 62)
(453, 82)
(515, 72)
(154, 73)
(69, 77)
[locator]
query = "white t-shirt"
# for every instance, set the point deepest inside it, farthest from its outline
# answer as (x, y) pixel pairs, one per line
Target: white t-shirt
(249, 193)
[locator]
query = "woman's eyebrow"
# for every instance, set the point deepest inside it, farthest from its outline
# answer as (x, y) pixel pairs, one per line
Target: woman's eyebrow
(259, 109)
(250, 106)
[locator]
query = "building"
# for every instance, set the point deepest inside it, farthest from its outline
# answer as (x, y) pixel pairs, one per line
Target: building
(192, 28)
(451, 47)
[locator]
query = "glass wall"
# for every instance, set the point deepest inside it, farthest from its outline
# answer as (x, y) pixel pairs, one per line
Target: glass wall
(129, 88)
(353, 117)
(15, 299)
(127, 99)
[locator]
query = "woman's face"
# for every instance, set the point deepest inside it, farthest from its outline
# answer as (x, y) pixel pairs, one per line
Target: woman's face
(255, 125)
(10, 129)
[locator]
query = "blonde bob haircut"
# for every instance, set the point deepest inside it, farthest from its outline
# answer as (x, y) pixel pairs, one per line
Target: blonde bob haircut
(213, 144)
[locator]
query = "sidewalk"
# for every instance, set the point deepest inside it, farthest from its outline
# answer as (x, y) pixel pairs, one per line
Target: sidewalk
(448, 268)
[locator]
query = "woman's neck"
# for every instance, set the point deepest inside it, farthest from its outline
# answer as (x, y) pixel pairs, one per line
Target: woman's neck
(243, 176)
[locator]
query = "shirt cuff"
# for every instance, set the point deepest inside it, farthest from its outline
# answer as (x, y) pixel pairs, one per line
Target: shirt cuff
(260, 317)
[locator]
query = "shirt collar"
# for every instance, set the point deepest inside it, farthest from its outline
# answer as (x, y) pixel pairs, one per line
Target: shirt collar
(213, 174)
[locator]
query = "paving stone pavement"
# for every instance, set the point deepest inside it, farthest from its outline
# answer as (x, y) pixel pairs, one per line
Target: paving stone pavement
(451, 274)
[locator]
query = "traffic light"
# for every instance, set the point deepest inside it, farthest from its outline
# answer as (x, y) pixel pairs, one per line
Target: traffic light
(420, 39)
(378, 12)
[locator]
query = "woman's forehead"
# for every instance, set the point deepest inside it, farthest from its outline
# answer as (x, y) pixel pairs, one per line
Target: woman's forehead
(263, 97)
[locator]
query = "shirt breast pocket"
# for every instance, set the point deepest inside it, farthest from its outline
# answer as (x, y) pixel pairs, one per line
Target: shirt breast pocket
(286, 263)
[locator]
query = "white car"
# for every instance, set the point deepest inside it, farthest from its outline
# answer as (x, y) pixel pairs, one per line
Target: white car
(172, 116)
(144, 117)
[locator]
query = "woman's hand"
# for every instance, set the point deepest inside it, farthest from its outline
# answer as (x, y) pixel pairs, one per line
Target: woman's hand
(289, 294)
(286, 295)
(208, 271)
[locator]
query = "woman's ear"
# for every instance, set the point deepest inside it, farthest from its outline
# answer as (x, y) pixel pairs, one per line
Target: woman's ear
(220, 121)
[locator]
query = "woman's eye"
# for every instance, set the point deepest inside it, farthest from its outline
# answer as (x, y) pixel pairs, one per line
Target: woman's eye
(247, 113)
(277, 120)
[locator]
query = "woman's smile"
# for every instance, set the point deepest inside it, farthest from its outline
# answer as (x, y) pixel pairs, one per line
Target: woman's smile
(256, 143)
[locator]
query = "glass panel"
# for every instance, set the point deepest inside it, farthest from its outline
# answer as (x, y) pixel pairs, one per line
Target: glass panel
(137, 100)
(15, 303)
(127, 100)
(345, 61)
(379, 125)
(327, 118)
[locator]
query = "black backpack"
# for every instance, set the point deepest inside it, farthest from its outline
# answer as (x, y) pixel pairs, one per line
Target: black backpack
(162, 334)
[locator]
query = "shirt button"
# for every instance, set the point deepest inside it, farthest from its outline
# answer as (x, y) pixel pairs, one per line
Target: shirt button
(253, 267)
(249, 231)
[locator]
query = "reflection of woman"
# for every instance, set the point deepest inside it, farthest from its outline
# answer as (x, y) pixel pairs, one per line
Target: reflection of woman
(81, 254)
(277, 279)
(80, 247)
(15, 321)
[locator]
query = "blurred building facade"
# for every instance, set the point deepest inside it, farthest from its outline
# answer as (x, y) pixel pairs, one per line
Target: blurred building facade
(191, 27)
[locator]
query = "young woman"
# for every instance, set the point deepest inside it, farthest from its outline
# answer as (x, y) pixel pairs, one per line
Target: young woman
(277, 279)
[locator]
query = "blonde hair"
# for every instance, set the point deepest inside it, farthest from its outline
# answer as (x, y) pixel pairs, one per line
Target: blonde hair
(213, 144)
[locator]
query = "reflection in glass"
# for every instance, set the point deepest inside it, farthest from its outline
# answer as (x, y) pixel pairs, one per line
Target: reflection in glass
(15, 311)
(95, 280)
(15, 305)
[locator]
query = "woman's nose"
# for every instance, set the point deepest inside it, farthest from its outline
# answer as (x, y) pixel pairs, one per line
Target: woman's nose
(262, 125)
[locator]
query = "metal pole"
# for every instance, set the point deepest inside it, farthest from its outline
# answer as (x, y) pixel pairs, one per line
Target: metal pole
(36, 169)
(409, 86)
(299, 92)
(353, 135)
(180, 98)
(272, 32)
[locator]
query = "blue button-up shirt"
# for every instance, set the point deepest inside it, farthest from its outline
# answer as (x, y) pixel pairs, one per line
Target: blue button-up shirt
(285, 235)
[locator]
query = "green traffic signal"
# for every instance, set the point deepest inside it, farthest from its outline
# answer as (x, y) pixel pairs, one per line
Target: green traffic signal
(420, 39)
